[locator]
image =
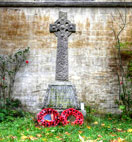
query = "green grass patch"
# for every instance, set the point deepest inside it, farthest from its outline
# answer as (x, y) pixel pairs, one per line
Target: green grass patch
(106, 129)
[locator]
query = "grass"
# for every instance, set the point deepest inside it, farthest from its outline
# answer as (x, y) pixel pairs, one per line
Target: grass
(106, 129)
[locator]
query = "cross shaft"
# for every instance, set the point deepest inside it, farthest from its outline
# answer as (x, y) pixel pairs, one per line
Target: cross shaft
(62, 28)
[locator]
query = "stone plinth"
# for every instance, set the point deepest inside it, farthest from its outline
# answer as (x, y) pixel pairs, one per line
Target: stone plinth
(61, 95)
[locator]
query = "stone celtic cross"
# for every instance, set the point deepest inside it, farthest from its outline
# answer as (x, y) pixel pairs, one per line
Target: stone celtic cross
(62, 28)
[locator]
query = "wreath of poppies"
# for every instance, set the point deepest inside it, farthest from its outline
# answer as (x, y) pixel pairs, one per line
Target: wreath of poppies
(57, 118)
(71, 111)
(46, 123)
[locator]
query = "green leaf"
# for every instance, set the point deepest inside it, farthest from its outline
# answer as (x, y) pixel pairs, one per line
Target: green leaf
(122, 107)
(2, 115)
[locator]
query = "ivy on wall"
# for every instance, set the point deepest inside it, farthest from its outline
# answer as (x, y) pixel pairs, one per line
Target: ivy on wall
(9, 66)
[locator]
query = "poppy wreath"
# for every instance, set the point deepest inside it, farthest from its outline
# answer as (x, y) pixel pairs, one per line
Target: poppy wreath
(71, 111)
(47, 123)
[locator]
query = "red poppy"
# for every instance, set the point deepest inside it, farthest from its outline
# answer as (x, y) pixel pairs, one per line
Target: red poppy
(121, 83)
(71, 111)
(48, 117)
(27, 61)
(3, 78)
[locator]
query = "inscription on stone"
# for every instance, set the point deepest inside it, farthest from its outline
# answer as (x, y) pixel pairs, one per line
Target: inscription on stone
(62, 28)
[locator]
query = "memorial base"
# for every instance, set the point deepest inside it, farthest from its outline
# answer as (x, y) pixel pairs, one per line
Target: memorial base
(61, 95)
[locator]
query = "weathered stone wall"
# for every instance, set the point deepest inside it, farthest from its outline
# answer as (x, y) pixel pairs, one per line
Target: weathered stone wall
(92, 66)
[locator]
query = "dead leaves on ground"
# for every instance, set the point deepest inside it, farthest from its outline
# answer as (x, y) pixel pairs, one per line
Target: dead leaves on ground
(32, 138)
(95, 123)
(129, 130)
(39, 135)
(118, 140)
(23, 138)
(51, 133)
(99, 136)
(97, 140)
(102, 124)
(82, 140)
(80, 132)
(88, 127)
(38, 127)
(118, 130)
(59, 138)
(67, 133)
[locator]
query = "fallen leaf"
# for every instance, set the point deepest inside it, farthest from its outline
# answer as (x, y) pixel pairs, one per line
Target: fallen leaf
(47, 134)
(13, 137)
(80, 132)
(88, 127)
(82, 139)
(129, 130)
(102, 124)
(32, 138)
(24, 138)
(38, 127)
(118, 140)
(47, 129)
(95, 123)
(99, 136)
(58, 138)
(119, 130)
(113, 135)
(39, 135)
(67, 133)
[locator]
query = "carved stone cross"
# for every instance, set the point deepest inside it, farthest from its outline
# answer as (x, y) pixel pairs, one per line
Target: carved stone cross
(62, 28)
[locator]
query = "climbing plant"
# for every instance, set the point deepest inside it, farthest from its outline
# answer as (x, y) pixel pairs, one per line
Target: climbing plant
(9, 66)
(124, 71)
(126, 80)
